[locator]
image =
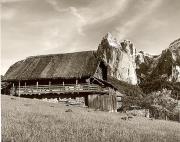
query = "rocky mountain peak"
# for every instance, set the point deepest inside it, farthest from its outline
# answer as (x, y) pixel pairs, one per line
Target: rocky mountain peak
(175, 45)
(108, 36)
(142, 57)
(112, 41)
(174, 48)
(125, 45)
(126, 64)
(119, 57)
(129, 48)
(165, 66)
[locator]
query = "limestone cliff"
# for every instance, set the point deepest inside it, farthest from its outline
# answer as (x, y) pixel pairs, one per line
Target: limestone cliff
(119, 57)
(165, 66)
(125, 64)
(175, 50)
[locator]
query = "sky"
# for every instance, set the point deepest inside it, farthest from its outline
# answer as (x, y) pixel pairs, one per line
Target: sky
(36, 27)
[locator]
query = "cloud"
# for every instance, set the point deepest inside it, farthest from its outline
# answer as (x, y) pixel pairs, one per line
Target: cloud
(9, 1)
(81, 20)
(147, 8)
(72, 10)
(32, 27)
(84, 16)
(62, 34)
(100, 11)
(93, 13)
(56, 6)
(8, 13)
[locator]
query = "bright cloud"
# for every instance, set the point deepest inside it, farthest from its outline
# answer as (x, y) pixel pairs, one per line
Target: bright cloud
(8, 14)
(32, 27)
(147, 9)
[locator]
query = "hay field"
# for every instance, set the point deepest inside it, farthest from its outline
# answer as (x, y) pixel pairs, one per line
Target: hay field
(29, 120)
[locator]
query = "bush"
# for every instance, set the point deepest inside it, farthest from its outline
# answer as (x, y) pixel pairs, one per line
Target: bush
(160, 84)
(160, 104)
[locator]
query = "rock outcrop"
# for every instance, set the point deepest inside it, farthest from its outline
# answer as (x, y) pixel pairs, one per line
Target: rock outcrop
(165, 66)
(119, 57)
(125, 64)
(175, 51)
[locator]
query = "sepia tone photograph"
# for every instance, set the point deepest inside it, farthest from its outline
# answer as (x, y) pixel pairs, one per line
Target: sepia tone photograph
(90, 70)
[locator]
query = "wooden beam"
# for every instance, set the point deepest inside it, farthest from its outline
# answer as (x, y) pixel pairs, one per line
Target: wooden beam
(25, 85)
(76, 87)
(49, 85)
(13, 90)
(37, 84)
(89, 82)
(19, 89)
(25, 88)
(86, 100)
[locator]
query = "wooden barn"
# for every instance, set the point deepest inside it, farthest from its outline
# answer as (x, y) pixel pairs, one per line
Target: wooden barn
(80, 74)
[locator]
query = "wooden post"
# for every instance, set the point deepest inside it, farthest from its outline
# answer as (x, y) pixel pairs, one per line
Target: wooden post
(49, 85)
(89, 84)
(179, 114)
(25, 88)
(76, 84)
(86, 100)
(37, 85)
(63, 87)
(19, 89)
(13, 90)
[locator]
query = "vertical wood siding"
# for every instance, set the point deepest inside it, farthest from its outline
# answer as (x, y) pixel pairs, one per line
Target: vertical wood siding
(103, 102)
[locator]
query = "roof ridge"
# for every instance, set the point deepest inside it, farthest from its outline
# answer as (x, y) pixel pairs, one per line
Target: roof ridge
(46, 55)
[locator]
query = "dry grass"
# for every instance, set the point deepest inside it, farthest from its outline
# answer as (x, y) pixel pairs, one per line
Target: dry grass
(33, 120)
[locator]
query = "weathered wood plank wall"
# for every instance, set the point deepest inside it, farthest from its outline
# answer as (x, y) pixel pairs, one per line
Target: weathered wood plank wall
(103, 102)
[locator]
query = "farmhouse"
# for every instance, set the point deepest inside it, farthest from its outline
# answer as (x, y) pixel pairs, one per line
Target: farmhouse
(80, 74)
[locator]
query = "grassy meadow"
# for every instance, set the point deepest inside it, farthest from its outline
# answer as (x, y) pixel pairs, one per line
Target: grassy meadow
(31, 120)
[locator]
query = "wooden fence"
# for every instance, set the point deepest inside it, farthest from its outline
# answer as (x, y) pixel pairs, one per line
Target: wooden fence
(67, 88)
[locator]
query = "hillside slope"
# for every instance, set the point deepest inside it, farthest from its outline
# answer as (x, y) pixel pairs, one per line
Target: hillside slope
(34, 120)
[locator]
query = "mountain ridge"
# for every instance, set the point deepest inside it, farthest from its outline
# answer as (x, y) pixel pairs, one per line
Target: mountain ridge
(129, 65)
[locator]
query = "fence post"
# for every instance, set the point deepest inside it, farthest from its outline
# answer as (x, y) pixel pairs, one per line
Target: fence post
(37, 85)
(89, 85)
(76, 87)
(49, 85)
(63, 86)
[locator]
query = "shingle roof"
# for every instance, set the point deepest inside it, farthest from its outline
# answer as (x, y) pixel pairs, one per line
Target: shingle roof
(69, 65)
